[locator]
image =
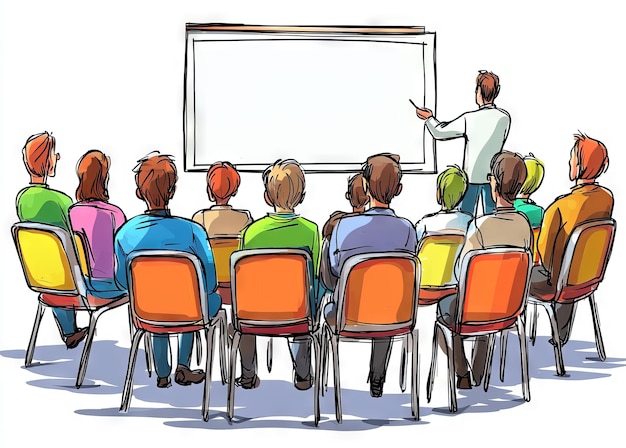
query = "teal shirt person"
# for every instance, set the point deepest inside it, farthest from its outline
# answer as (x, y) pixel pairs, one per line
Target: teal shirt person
(533, 212)
(39, 203)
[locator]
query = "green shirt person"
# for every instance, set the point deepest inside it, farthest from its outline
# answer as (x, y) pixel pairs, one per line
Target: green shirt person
(523, 204)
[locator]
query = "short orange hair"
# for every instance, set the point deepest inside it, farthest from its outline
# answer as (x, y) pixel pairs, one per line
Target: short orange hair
(489, 85)
(37, 153)
(93, 172)
(156, 177)
(592, 157)
(222, 180)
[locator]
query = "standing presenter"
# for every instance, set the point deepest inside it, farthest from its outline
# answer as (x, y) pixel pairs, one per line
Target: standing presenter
(485, 130)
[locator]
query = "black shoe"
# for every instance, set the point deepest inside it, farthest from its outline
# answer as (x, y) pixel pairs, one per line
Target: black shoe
(248, 383)
(302, 383)
(376, 388)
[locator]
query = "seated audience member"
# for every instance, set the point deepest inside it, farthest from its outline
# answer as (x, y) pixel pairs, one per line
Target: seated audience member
(358, 200)
(451, 187)
(523, 203)
(376, 230)
(222, 219)
(284, 190)
(156, 177)
(585, 202)
(41, 204)
(503, 227)
(97, 221)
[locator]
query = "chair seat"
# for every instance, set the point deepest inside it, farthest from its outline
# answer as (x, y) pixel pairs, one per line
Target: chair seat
(298, 329)
(467, 329)
(75, 302)
(543, 292)
(159, 329)
(430, 296)
(346, 333)
(223, 289)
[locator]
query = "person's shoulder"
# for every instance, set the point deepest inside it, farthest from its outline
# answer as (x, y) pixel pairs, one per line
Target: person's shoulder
(427, 217)
(307, 223)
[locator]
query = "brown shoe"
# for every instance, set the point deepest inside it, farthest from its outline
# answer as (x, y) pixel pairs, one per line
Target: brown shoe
(463, 382)
(302, 383)
(184, 376)
(72, 340)
(248, 383)
(164, 382)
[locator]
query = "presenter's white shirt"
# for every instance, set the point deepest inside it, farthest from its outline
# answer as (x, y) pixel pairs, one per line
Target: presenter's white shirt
(485, 130)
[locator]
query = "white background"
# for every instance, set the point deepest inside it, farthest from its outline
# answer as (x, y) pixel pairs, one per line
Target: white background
(110, 76)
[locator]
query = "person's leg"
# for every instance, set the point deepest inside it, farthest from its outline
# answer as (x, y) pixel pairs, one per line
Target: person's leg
(300, 349)
(379, 359)
(564, 315)
(479, 357)
(66, 320)
(470, 200)
(489, 205)
(247, 350)
(446, 310)
(184, 375)
(185, 347)
(161, 352)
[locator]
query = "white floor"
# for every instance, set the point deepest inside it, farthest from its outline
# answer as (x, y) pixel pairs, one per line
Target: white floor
(579, 406)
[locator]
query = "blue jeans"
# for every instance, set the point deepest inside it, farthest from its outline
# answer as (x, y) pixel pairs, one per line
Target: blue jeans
(469, 203)
(161, 350)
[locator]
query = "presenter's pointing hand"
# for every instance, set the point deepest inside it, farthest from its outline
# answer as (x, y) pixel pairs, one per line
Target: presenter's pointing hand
(424, 113)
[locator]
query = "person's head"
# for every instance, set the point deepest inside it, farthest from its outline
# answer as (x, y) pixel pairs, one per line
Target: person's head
(451, 187)
(155, 176)
(588, 159)
(284, 185)
(487, 87)
(40, 156)
(381, 178)
(222, 182)
(356, 193)
(508, 173)
(93, 176)
(534, 175)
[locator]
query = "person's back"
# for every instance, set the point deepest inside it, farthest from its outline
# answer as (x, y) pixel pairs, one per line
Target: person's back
(222, 219)
(524, 204)
(40, 203)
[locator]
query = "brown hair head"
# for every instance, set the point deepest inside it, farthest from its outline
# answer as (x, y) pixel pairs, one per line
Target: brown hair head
(509, 171)
(93, 176)
(591, 155)
(489, 85)
(284, 184)
(155, 176)
(356, 193)
(37, 153)
(222, 181)
(383, 173)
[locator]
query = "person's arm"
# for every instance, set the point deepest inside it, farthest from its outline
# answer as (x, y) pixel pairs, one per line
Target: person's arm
(315, 249)
(65, 202)
(333, 251)
(120, 263)
(202, 249)
(550, 226)
(449, 130)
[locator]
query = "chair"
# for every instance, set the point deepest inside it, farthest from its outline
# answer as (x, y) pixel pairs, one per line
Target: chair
(492, 296)
(222, 248)
(51, 266)
(437, 253)
(536, 258)
(271, 292)
(585, 259)
(154, 278)
(376, 298)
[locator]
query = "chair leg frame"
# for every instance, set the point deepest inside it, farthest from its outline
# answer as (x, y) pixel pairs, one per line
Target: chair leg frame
(596, 327)
(404, 360)
(30, 351)
(210, 337)
(270, 354)
(489, 361)
(415, 403)
(232, 370)
(334, 343)
(430, 381)
(132, 360)
(523, 346)
(504, 338)
(82, 367)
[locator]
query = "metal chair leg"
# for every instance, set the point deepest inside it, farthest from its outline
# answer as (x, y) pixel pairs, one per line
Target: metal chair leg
(403, 363)
(452, 404)
(131, 325)
(270, 353)
(317, 380)
(233, 371)
(415, 388)
(198, 342)
(433, 366)
(558, 353)
(489, 361)
(132, 359)
(147, 346)
(334, 342)
(596, 327)
(533, 324)
(523, 347)
(223, 346)
(210, 336)
(30, 351)
(504, 338)
(82, 367)
(325, 355)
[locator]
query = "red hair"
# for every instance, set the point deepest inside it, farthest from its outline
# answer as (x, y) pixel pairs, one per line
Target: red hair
(93, 171)
(592, 157)
(222, 180)
(37, 153)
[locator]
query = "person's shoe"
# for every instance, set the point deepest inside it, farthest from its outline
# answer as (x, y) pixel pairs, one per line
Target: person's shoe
(164, 383)
(563, 342)
(184, 376)
(72, 340)
(463, 382)
(248, 383)
(302, 383)
(376, 388)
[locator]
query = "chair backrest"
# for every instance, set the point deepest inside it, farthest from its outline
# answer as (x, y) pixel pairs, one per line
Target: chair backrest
(585, 258)
(493, 289)
(222, 248)
(48, 259)
(80, 242)
(166, 289)
(377, 292)
(437, 254)
(536, 257)
(271, 286)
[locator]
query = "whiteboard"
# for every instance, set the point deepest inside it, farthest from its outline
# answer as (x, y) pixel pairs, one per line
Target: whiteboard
(327, 99)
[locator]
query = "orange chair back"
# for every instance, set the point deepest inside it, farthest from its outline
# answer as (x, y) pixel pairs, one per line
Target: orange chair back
(223, 248)
(586, 257)
(493, 289)
(536, 258)
(437, 255)
(165, 288)
(271, 285)
(378, 291)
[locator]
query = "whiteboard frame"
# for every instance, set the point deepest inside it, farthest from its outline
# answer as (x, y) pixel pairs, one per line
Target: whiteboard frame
(239, 32)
